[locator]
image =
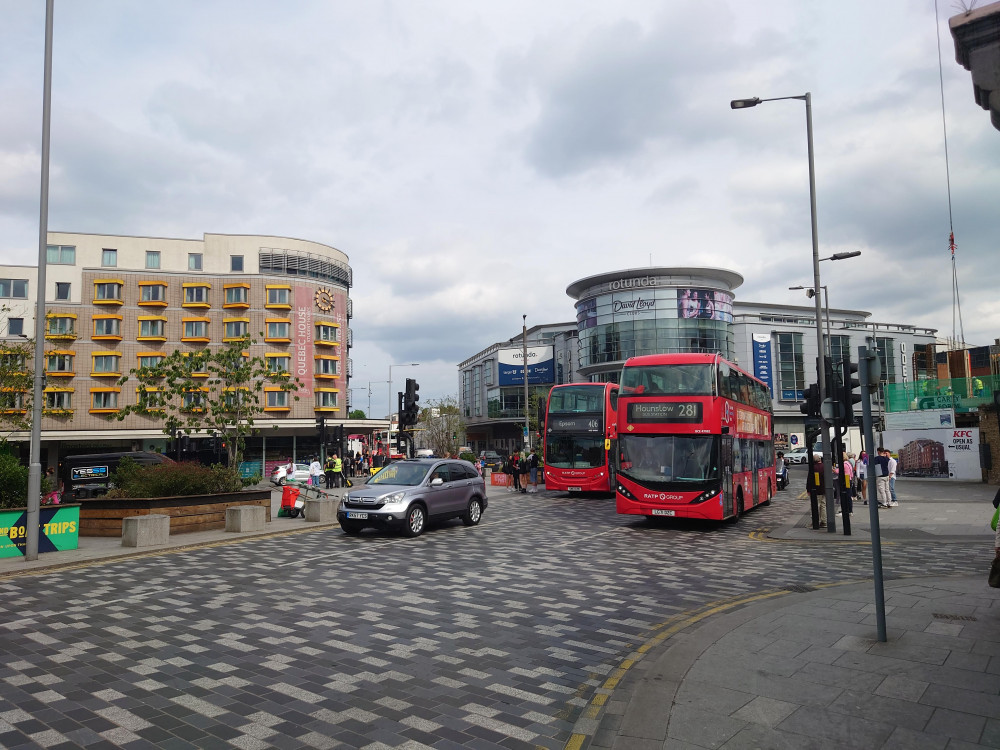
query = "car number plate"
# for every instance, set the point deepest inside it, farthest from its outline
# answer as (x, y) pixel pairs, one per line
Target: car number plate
(662, 512)
(574, 489)
(359, 516)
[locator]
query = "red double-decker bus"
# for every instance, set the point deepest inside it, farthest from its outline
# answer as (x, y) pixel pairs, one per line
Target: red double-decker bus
(580, 437)
(694, 438)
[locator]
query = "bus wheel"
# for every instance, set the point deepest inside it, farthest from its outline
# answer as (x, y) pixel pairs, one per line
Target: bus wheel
(739, 507)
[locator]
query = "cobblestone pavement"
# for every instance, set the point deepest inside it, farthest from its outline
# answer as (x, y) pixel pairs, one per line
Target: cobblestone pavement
(485, 637)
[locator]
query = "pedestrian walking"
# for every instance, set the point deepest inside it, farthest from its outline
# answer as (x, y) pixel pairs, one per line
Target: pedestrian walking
(523, 466)
(861, 475)
(315, 472)
(881, 469)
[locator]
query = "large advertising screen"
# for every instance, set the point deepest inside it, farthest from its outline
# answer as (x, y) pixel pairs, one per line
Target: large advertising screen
(707, 304)
(541, 366)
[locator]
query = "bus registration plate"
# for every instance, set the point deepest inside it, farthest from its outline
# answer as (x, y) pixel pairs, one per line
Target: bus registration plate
(574, 489)
(662, 512)
(359, 516)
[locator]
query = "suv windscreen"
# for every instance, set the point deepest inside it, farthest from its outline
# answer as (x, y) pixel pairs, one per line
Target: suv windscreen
(400, 474)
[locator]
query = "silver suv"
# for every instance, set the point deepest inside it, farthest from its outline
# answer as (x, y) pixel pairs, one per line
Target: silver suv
(406, 494)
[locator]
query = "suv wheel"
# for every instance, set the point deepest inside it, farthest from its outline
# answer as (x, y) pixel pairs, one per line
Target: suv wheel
(416, 521)
(351, 529)
(474, 514)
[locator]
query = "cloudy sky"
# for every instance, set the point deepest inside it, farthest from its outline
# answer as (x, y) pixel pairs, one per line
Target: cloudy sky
(475, 158)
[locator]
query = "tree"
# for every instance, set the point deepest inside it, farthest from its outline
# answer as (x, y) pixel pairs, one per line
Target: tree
(440, 426)
(213, 390)
(16, 385)
(357, 414)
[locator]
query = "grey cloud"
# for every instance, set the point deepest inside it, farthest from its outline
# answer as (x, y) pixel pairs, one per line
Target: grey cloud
(625, 88)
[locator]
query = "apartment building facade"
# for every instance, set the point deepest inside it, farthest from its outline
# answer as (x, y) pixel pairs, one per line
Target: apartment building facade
(118, 303)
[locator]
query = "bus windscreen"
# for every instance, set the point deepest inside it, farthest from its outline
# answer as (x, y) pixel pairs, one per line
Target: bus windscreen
(577, 399)
(669, 458)
(574, 452)
(669, 380)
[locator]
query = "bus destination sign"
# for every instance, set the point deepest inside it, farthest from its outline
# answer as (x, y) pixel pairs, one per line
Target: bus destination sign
(665, 411)
(576, 423)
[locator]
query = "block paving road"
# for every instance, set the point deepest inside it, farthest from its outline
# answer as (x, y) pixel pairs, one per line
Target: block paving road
(496, 636)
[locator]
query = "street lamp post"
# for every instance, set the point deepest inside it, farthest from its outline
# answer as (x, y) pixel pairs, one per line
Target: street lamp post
(388, 433)
(831, 517)
(34, 498)
(524, 361)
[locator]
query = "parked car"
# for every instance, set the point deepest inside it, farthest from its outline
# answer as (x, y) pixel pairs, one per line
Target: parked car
(280, 474)
(797, 456)
(407, 494)
(491, 460)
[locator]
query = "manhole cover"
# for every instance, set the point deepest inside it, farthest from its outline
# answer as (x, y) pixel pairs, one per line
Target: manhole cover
(964, 618)
(800, 589)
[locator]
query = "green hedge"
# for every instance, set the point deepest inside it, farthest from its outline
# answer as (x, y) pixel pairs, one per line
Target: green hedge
(131, 479)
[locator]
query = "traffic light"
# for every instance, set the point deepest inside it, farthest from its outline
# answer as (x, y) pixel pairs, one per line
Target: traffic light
(410, 412)
(814, 401)
(321, 429)
(338, 437)
(848, 398)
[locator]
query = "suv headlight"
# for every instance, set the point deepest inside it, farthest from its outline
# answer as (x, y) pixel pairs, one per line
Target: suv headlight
(395, 497)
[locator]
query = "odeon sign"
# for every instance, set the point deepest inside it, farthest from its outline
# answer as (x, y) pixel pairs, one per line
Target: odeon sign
(639, 283)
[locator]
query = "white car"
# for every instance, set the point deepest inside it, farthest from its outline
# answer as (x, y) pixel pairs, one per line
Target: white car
(280, 474)
(797, 456)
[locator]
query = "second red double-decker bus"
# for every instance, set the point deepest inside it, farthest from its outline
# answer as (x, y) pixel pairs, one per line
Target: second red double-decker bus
(580, 432)
(695, 438)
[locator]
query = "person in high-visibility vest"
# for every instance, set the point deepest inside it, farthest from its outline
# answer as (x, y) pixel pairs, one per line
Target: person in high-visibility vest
(338, 469)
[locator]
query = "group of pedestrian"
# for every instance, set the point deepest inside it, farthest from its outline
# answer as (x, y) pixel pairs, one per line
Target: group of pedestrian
(885, 479)
(523, 471)
(856, 472)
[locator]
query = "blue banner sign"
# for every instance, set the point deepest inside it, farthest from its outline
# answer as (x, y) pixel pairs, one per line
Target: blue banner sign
(762, 359)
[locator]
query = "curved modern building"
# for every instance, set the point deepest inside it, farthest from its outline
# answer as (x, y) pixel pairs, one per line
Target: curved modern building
(115, 303)
(654, 310)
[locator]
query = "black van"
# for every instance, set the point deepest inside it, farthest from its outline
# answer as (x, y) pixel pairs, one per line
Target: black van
(89, 475)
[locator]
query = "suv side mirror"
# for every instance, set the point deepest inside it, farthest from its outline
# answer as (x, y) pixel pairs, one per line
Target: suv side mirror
(437, 482)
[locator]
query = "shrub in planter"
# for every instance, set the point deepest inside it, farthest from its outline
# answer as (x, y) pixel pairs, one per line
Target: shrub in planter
(14, 482)
(172, 479)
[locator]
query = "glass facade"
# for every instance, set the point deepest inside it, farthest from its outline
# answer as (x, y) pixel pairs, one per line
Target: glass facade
(660, 320)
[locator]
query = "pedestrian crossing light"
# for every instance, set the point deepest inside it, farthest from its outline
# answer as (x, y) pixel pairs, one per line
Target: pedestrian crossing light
(814, 401)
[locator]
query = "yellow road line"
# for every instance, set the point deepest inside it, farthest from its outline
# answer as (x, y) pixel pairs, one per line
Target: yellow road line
(663, 631)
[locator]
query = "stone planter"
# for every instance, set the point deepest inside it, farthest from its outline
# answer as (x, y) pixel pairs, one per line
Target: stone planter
(103, 516)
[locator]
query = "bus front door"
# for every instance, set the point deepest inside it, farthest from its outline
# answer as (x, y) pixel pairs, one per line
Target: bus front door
(757, 449)
(727, 476)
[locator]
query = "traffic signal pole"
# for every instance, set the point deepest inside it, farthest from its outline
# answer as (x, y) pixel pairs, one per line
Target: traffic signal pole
(868, 372)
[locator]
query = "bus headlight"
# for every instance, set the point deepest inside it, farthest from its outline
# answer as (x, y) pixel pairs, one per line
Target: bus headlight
(625, 493)
(705, 496)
